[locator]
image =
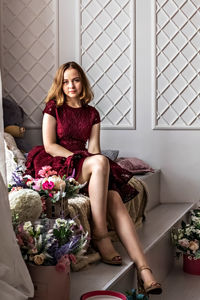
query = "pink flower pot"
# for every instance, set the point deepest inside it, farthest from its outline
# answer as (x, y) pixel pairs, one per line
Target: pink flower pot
(50, 284)
(191, 265)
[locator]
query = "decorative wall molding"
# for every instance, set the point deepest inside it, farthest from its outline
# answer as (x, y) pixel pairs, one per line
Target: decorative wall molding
(107, 43)
(177, 64)
(29, 53)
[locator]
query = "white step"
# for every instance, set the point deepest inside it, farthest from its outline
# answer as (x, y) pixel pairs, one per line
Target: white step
(103, 277)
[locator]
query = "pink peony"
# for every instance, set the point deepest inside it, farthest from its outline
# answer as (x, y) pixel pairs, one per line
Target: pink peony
(46, 171)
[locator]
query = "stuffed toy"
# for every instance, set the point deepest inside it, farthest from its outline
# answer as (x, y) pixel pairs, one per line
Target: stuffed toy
(13, 156)
(13, 116)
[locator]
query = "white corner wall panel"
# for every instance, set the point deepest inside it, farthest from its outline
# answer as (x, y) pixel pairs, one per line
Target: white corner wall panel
(177, 64)
(29, 54)
(107, 55)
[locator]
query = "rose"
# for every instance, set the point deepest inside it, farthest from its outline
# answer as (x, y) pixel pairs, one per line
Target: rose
(184, 243)
(59, 184)
(194, 246)
(39, 259)
(62, 263)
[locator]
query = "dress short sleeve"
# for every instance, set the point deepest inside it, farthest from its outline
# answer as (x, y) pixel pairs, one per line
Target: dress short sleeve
(50, 108)
(96, 116)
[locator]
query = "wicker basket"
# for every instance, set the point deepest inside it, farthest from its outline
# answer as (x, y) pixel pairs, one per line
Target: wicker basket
(58, 209)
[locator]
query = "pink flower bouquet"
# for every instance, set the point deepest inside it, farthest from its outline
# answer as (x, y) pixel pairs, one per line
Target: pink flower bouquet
(187, 238)
(48, 185)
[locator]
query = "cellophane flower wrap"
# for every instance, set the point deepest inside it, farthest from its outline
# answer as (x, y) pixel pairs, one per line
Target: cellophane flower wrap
(51, 242)
(187, 238)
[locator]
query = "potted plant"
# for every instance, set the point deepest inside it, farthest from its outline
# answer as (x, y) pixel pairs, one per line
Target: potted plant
(187, 242)
(48, 247)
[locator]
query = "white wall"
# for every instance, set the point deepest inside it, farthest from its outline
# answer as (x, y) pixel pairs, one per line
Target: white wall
(175, 152)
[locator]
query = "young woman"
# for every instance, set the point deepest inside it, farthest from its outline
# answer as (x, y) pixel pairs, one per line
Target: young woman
(68, 123)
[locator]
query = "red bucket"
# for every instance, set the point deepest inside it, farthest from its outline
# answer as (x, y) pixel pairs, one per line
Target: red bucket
(191, 265)
(103, 295)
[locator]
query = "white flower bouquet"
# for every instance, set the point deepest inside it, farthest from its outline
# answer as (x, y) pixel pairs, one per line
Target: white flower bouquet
(44, 243)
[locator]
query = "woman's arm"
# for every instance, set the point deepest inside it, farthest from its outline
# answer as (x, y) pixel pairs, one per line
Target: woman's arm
(94, 141)
(49, 137)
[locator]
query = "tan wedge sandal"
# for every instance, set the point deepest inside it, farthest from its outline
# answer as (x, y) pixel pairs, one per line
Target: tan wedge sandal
(152, 287)
(113, 258)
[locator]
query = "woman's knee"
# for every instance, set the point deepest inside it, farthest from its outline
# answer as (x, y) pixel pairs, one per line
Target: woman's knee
(100, 163)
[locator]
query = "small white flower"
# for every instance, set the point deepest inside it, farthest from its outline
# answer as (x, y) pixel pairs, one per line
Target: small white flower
(38, 228)
(28, 226)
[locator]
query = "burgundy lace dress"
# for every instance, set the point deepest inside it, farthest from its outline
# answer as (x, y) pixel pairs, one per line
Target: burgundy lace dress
(73, 130)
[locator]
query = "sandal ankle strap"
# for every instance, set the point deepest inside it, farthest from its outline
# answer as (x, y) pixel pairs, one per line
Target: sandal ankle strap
(100, 237)
(140, 269)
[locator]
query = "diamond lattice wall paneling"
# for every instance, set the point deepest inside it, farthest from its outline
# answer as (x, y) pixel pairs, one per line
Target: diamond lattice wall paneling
(177, 64)
(107, 55)
(29, 53)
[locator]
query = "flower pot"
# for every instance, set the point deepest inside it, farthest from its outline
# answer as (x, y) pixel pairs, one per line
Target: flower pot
(103, 295)
(50, 284)
(191, 265)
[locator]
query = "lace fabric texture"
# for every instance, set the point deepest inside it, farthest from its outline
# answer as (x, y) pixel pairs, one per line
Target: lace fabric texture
(73, 130)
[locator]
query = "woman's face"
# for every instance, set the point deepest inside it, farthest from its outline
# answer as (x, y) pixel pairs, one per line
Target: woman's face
(72, 85)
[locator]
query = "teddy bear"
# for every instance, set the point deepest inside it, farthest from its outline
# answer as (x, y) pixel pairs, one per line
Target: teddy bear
(13, 116)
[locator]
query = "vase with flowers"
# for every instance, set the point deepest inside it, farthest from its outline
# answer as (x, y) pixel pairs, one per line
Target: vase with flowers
(187, 242)
(49, 247)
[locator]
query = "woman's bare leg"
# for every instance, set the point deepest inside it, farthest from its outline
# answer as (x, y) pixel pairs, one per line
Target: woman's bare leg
(127, 233)
(95, 170)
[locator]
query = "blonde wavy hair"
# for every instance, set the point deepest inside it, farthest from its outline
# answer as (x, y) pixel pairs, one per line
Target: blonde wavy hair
(56, 90)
